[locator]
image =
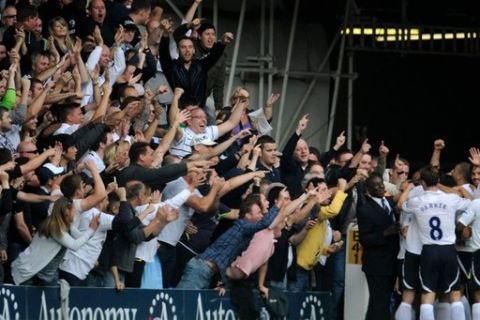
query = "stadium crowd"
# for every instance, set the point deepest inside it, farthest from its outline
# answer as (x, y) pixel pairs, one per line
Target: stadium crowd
(116, 172)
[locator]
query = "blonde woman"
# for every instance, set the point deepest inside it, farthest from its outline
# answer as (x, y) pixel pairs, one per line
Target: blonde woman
(58, 29)
(38, 264)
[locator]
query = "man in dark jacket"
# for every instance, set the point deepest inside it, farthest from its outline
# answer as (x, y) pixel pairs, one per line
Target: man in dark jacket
(188, 72)
(206, 39)
(141, 159)
(378, 228)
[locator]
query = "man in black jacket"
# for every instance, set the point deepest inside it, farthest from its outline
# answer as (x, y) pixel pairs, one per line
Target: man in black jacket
(188, 72)
(141, 159)
(378, 228)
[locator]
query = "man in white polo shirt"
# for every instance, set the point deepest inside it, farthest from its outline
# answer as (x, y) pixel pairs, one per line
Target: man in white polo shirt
(197, 128)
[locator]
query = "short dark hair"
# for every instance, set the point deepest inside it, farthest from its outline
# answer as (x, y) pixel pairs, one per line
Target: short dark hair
(2, 111)
(273, 194)
(265, 139)
(138, 5)
(315, 181)
(70, 184)
(205, 26)
(134, 189)
(371, 178)
(62, 110)
(248, 203)
(5, 156)
(25, 11)
(341, 152)
(464, 169)
(184, 37)
(187, 100)
(136, 150)
(429, 175)
(103, 139)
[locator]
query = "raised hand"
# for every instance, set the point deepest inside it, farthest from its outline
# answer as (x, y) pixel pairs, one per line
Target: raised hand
(178, 92)
(166, 214)
(273, 98)
(340, 141)
(302, 124)
(242, 134)
(474, 156)
(342, 184)
(156, 196)
(383, 150)
(365, 148)
(90, 166)
(227, 37)
(119, 35)
(182, 116)
(438, 145)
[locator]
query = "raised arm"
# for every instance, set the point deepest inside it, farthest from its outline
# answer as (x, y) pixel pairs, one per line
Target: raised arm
(191, 11)
(205, 204)
(99, 192)
(37, 161)
(234, 119)
(239, 180)
(268, 108)
(51, 71)
(382, 158)
(167, 139)
(365, 148)
(438, 146)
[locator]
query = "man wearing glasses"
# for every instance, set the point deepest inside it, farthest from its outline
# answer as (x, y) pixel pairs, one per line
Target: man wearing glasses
(27, 149)
(9, 18)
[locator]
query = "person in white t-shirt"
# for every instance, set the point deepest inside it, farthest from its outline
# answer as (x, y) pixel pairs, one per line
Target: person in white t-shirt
(413, 248)
(97, 153)
(197, 125)
(434, 212)
(471, 218)
(77, 264)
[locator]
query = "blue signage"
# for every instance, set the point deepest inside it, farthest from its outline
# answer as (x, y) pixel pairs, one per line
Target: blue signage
(43, 303)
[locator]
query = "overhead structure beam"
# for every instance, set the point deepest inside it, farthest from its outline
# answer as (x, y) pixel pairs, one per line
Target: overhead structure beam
(312, 84)
(238, 37)
(336, 89)
(283, 97)
(175, 9)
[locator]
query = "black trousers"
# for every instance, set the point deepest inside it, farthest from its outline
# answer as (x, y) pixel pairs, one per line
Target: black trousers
(168, 258)
(134, 279)
(380, 289)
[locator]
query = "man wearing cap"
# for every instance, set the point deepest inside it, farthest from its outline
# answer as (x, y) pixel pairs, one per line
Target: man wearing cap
(203, 45)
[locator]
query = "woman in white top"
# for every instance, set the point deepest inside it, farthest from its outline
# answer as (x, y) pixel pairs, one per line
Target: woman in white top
(38, 264)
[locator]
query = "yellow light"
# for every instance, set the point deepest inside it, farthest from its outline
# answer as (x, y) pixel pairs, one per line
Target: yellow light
(405, 34)
(368, 31)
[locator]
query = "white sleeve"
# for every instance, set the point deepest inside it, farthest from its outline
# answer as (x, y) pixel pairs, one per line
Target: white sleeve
(213, 132)
(468, 215)
(177, 201)
(94, 58)
(69, 242)
(409, 206)
(119, 65)
(105, 221)
(405, 219)
(172, 46)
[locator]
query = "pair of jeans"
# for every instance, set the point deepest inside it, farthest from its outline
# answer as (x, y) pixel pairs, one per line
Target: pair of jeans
(338, 261)
(197, 275)
(302, 282)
